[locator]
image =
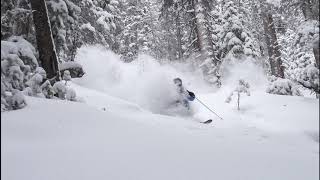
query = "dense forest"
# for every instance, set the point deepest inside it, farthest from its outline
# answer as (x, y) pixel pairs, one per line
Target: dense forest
(160, 89)
(280, 35)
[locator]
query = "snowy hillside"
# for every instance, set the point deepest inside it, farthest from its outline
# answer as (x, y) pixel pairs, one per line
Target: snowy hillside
(83, 142)
(160, 89)
(119, 131)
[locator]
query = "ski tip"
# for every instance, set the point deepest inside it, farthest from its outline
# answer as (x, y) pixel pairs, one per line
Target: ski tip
(207, 121)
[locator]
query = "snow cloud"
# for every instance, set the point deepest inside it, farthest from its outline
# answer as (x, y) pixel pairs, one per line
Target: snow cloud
(144, 81)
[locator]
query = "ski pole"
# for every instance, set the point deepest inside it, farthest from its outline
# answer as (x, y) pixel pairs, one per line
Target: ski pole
(209, 108)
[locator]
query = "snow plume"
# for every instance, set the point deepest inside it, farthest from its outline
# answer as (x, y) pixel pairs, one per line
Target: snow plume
(149, 83)
(144, 81)
(247, 69)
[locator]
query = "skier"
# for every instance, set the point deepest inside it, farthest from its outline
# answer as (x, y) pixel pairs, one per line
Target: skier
(184, 95)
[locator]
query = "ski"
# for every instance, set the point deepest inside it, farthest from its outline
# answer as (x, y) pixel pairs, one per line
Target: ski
(207, 121)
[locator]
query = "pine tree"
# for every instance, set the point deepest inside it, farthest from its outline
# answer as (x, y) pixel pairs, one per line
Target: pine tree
(137, 33)
(299, 53)
(243, 87)
(236, 39)
(64, 15)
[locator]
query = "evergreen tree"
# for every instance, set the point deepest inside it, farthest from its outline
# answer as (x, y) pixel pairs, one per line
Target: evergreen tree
(236, 40)
(137, 33)
(64, 15)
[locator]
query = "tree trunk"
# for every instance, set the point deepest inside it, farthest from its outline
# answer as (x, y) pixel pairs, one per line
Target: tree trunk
(46, 47)
(269, 49)
(316, 52)
(179, 37)
(204, 38)
(310, 9)
(272, 45)
(238, 100)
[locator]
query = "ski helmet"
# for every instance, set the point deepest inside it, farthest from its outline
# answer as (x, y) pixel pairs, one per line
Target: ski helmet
(177, 81)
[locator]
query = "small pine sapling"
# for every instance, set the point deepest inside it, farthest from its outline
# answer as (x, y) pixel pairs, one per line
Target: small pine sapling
(11, 67)
(4, 104)
(16, 77)
(71, 95)
(60, 89)
(17, 100)
(47, 89)
(35, 82)
(27, 73)
(243, 87)
(66, 76)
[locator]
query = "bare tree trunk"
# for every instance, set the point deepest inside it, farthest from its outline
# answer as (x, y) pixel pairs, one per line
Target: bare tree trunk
(316, 52)
(269, 49)
(310, 10)
(46, 47)
(276, 47)
(238, 100)
(179, 37)
(203, 34)
(194, 24)
(273, 48)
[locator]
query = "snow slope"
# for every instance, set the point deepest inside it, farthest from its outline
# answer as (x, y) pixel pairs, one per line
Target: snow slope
(118, 133)
(53, 139)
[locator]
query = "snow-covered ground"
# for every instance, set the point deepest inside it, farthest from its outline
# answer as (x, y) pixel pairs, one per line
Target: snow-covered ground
(118, 133)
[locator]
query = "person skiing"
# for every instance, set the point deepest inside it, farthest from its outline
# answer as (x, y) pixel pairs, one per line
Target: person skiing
(184, 95)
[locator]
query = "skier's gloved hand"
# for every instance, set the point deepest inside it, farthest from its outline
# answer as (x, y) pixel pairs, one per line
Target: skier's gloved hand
(191, 96)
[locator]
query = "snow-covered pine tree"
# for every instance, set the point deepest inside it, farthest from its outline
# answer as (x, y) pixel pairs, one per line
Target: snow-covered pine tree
(47, 90)
(71, 94)
(300, 62)
(64, 15)
(100, 22)
(174, 29)
(4, 103)
(302, 33)
(12, 69)
(210, 63)
(60, 89)
(12, 77)
(137, 33)
(243, 87)
(66, 76)
(282, 86)
(35, 82)
(20, 71)
(188, 35)
(16, 20)
(17, 100)
(236, 39)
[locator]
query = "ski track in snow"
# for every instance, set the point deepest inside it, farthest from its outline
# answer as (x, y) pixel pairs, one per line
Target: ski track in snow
(119, 136)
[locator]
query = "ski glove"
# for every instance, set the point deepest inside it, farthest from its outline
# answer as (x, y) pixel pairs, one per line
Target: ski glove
(191, 96)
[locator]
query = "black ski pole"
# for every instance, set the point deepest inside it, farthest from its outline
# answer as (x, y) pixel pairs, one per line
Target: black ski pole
(209, 108)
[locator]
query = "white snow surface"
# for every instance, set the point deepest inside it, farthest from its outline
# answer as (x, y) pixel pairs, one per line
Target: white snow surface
(116, 133)
(88, 26)
(276, 3)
